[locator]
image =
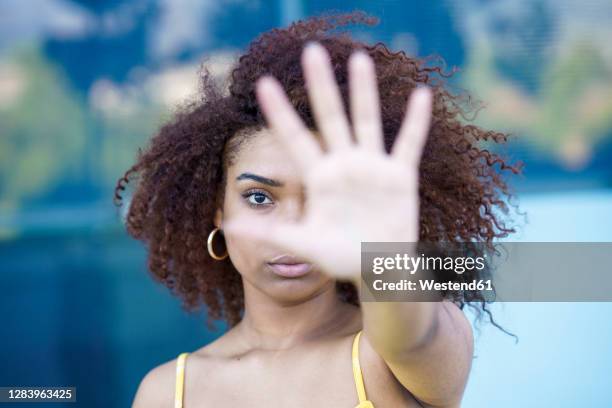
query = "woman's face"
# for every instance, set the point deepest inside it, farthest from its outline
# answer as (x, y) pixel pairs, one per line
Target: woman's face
(263, 182)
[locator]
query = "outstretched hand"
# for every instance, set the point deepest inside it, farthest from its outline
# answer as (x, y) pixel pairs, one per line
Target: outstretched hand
(355, 191)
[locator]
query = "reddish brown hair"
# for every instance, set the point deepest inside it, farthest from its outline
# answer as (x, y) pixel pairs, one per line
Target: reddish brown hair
(181, 172)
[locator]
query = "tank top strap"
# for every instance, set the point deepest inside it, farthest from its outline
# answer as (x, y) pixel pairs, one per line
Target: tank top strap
(357, 374)
(180, 380)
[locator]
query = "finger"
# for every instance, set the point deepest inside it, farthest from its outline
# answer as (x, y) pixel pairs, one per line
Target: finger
(415, 127)
(286, 124)
(325, 98)
(365, 107)
(289, 237)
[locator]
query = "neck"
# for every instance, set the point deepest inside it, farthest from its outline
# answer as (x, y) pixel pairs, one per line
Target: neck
(274, 325)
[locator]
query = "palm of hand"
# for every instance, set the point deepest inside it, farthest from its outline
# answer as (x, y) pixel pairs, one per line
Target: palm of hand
(356, 192)
(356, 196)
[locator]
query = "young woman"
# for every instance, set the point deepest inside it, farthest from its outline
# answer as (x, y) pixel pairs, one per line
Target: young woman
(254, 202)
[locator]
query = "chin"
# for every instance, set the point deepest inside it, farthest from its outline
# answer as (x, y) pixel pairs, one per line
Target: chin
(297, 290)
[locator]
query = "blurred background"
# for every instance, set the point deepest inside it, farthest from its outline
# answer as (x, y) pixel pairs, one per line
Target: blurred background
(83, 84)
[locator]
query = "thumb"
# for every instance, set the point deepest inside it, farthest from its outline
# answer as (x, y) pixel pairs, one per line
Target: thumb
(289, 237)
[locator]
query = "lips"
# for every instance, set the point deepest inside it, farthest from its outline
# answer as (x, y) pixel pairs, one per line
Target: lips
(289, 266)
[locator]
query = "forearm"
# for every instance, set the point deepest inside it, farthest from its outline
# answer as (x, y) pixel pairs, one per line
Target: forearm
(396, 329)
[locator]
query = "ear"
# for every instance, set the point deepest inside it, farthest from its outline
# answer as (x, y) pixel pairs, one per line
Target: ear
(218, 220)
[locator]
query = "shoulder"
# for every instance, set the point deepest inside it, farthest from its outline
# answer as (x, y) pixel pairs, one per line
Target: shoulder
(156, 389)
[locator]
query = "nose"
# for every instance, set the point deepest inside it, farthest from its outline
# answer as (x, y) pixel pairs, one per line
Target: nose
(294, 209)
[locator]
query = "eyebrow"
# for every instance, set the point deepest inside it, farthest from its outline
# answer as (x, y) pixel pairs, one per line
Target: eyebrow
(260, 179)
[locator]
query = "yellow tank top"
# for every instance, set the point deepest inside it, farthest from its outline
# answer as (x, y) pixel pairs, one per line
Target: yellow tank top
(361, 394)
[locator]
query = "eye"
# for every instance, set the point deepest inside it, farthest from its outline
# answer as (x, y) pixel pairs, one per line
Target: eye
(257, 198)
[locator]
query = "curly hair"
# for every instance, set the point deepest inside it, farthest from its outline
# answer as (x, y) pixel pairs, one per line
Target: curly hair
(181, 174)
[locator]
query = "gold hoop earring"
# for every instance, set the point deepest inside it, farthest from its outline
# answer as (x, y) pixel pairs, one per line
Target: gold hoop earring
(209, 245)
